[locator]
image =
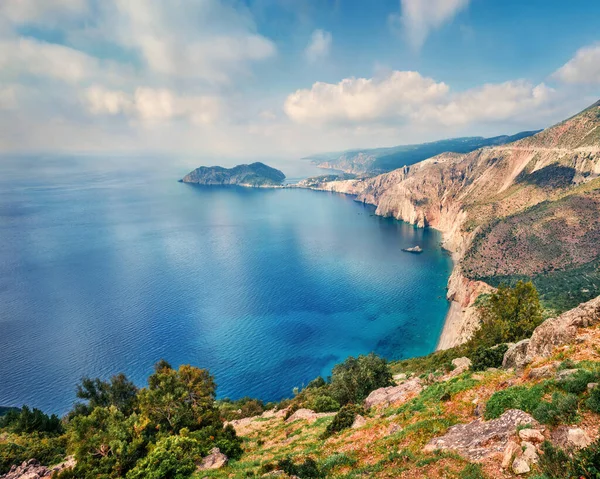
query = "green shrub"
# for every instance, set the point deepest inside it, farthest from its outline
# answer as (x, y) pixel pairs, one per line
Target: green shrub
(516, 397)
(483, 358)
(472, 471)
(355, 378)
(308, 469)
(577, 382)
(586, 462)
(593, 402)
(554, 462)
(342, 420)
(336, 460)
(47, 450)
(562, 409)
(324, 404)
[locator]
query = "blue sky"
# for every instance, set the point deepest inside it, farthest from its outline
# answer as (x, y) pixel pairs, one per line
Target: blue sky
(286, 78)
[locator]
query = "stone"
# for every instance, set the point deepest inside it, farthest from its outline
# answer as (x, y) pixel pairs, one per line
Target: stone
(542, 372)
(399, 377)
(529, 453)
(531, 435)
(308, 415)
(479, 439)
(565, 373)
(512, 449)
(215, 460)
(394, 394)
(520, 466)
(359, 421)
(393, 429)
(32, 469)
(591, 386)
(460, 365)
(578, 438)
(515, 356)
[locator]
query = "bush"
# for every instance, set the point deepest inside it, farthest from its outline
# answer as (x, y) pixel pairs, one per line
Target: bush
(563, 408)
(355, 378)
(577, 382)
(336, 460)
(586, 462)
(593, 402)
(342, 420)
(554, 462)
(483, 358)
(324, 404)
(244, 407)
(47, 450)
(308, 469)
(516, 397)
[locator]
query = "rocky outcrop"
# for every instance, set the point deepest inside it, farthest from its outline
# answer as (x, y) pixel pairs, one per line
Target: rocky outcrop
(32, 469)
(394, 394)
(255, 174)
(478, 439)
(552, 333)
(215, 460)
(308, 415)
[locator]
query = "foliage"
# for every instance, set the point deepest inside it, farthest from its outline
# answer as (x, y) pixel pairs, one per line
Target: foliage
(343, 419)
(593, 402)
(472, 471)
(586, 463)
(483, 358)
(554, 462)
(508, 314)
(308, 469)
(355, 378)
(118, 392)
(563, 408)
(46, 449)
(516, 397)
(25, 421)
(324, 404)
(173, 457)
(577, 382)
(244, 407)
(177, 399)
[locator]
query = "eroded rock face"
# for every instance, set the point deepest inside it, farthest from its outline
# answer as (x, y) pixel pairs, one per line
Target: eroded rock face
(515, 356)
(478, 439)
(552, 333)
(32, 469)
(394, 394)
(215, 460)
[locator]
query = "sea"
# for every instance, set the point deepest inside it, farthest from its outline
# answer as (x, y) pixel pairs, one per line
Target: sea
(108, 264)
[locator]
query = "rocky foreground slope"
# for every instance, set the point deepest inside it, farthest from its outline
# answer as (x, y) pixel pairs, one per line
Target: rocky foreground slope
(526, 209)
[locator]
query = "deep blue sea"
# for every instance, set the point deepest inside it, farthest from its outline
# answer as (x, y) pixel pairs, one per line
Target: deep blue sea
(108, 265)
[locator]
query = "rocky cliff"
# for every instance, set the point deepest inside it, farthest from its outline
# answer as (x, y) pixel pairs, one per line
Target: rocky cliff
(526, 209)
(255, 174)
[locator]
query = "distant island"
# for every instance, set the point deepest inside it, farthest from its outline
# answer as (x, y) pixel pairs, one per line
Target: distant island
(253, 175)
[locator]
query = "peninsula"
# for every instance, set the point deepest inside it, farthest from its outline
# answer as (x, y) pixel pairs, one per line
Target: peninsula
(253, 175)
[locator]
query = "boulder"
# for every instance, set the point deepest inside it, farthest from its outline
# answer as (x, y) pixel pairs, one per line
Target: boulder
(479, 439)
(359, 421)
(512, 449)
(32, 469)
(578, 438)
(565, 373)
(215, 460)
(461, 365)
(543, 372)
(308, 415)
(394, 394)
(591, 386)
(529, 453)
(520, 466)
(515, 356)
(531, 435)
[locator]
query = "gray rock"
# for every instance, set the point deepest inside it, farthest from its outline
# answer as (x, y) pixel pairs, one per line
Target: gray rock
(394, 394)
(578, 438)
(542, 372)
(531, 435)
(512, 449)
(529, 453)
(215, 460)
(515, 356)
(308, 415)
(565, 373)
(520, 466)
(591, 386)
(478, 439)
(32, 469)
(359, 421)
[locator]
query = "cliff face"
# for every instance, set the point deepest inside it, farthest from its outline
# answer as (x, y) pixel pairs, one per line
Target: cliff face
(255, 174)
(528, 208)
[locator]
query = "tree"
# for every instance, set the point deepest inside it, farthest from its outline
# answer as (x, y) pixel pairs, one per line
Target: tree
(176, 399)
(508, 314)
(25, 421)
(118, 392)
(355, 378)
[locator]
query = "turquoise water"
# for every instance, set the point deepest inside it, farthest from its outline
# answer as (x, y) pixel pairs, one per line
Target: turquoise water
(110, 265)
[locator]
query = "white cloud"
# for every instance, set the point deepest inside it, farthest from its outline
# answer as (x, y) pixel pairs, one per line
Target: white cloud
(409, 97)
(150, 105)
(362, 99)
(418, 18)
(583, 68)
(8, 97)
(319, 46)
(41, 11)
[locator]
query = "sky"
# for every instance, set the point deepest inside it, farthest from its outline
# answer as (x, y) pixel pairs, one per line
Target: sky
(287, 78)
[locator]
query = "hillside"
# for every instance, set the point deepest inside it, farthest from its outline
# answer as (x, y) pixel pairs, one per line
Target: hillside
(374, 161)
(525, 209)
(255, 174)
